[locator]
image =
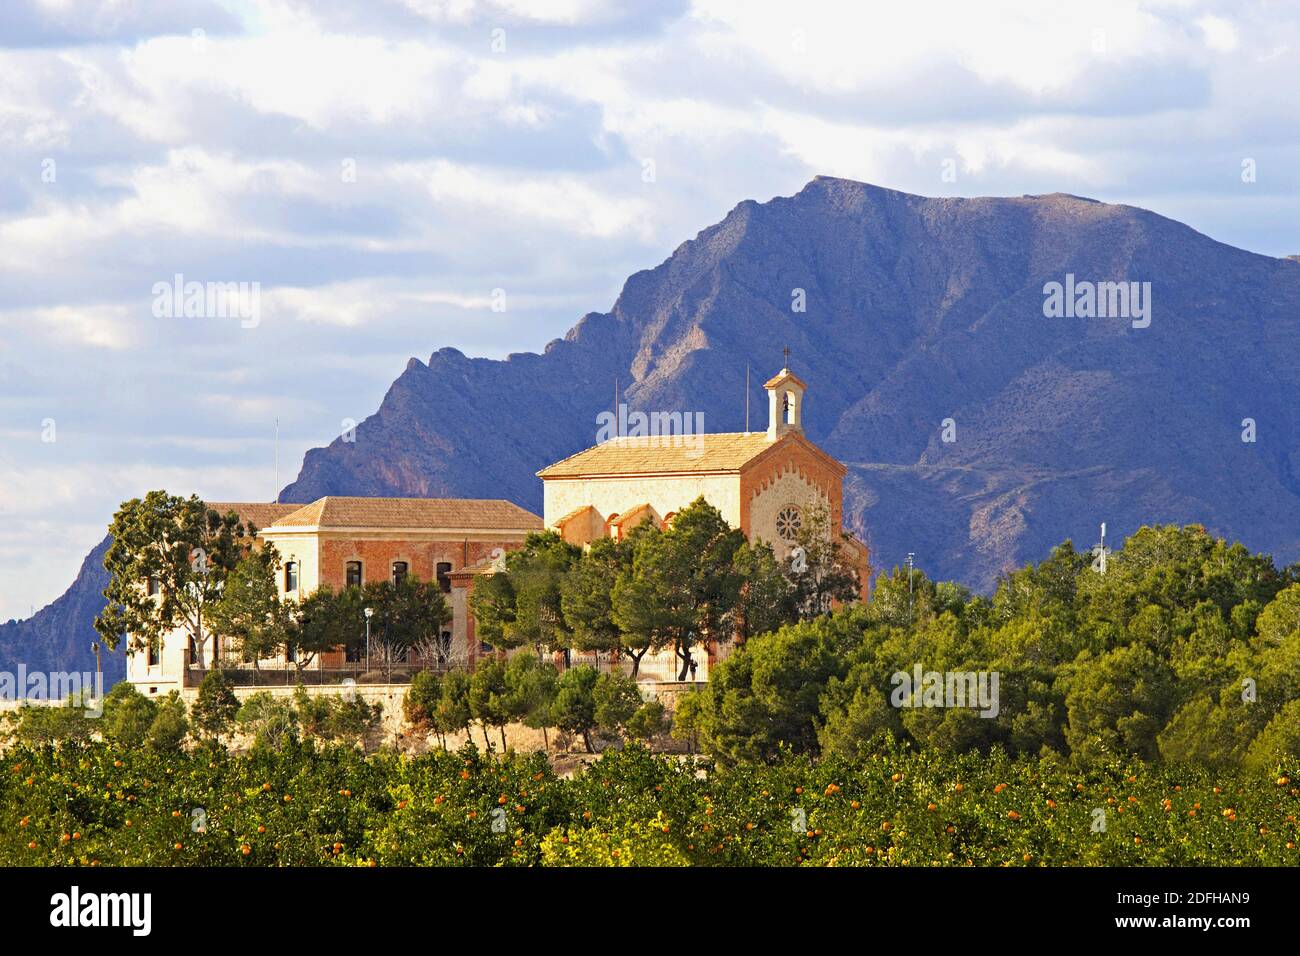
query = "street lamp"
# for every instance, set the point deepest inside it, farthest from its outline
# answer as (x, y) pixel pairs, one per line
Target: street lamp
(370, 612)
(99, 680)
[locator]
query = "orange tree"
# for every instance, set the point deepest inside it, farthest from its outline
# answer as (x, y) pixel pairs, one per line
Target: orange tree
(105, 804)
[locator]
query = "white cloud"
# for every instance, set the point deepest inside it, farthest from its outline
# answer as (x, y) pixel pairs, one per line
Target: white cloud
(519, 170)
(1220, 34)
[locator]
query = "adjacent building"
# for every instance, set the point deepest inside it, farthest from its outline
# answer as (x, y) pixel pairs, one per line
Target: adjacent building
(765, 483)
(342, 541)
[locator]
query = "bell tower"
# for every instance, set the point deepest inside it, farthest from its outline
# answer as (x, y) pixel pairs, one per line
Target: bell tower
(784, 402)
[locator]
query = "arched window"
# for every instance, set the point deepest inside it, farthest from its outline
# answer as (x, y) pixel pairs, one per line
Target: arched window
(290, 576)
(791, 414)
(353, 574)
(400, 569)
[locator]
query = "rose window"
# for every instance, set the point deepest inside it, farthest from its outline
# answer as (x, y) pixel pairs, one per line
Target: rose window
(788, 523)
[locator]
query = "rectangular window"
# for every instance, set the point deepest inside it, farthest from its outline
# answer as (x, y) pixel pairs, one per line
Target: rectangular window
(444, 576)
(154, 653)
(399, 572)
(291, 576)
(354, 574)
(151, 585)
(193, 651)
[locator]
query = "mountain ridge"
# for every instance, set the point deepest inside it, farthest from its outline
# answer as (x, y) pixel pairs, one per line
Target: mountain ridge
(918, 311)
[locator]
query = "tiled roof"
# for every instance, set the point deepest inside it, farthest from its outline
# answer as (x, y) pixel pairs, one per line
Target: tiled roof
(259, 513)
(573, 514)
(407, 513)
(633, 512)
(726, 451)
(783, 376)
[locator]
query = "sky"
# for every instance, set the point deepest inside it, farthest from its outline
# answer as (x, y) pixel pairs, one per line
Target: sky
(391, 177)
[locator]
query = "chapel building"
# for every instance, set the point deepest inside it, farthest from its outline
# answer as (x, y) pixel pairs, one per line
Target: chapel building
(764, 483)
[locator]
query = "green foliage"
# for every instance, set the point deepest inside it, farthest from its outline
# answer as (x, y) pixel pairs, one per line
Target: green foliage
(532, 685)
(522, 606)
(272, 721)
(454, 712)
(817, 568)
(574, 709)
(688, 717)
(1148, 661)
(683, 587)
(420, 706)
(170, 725)
(407, 615)
(188, 549)
(490, 700)
(586, 595)
(215, 707)
(616, 700)
(649, 721)
(37, 724)
(696, 582)
(249, 613)
(329, 717)
(84, 803)
(128, 716)
(323, 620)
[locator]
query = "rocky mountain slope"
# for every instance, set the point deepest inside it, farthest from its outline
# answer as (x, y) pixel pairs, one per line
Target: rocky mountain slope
(918, 311)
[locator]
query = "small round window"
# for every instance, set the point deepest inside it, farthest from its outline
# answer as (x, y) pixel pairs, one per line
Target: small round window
(788, 523)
